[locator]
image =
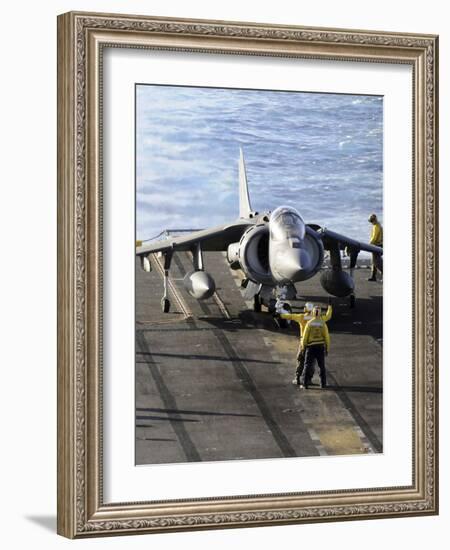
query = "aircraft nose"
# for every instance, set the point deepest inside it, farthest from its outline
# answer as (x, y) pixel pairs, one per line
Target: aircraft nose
(292, 264)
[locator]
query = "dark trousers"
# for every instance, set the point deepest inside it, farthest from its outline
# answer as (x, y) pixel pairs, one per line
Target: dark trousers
(300, 365)
(377, 264)
(312, 354)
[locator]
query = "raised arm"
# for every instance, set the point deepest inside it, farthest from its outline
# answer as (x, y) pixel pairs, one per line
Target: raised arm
(297, 317)
(327, 316)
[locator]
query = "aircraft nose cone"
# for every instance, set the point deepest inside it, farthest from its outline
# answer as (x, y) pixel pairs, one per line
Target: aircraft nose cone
(291, 265)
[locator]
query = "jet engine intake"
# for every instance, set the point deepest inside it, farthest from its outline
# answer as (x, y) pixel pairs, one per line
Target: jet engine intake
(337, 283)
(254, 254)
(199, 284)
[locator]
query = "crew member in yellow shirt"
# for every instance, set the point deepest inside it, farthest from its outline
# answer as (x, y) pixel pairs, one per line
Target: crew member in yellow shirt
(316, 344)
(376, 238)
(302, 319)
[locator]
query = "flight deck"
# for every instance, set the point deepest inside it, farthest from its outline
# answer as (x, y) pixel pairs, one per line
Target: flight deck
(214, 378)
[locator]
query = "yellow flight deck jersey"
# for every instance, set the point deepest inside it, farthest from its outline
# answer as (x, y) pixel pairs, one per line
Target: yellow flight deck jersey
(302, 318)
(316, 332)
(376, 237)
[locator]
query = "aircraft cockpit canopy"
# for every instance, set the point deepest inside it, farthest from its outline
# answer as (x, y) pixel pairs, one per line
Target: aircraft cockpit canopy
(286, 223)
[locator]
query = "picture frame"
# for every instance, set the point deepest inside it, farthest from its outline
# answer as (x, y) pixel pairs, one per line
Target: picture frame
(82, 39)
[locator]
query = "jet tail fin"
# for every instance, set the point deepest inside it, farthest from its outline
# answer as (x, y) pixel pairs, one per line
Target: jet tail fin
(244, 200)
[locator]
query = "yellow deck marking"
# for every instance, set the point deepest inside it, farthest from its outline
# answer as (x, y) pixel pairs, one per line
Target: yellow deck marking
(322, 411)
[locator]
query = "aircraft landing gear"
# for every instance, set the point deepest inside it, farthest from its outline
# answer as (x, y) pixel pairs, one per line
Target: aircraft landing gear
(165, 302)
(165, 305)
(352, 301)
(256, 303)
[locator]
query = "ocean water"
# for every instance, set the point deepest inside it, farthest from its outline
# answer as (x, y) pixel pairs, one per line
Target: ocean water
(321, 153)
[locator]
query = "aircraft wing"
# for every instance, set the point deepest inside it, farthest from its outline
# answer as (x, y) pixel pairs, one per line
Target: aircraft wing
(216, 238)
(328, 235)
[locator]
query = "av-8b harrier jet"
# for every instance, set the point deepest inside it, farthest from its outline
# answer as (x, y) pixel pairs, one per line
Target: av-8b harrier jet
(274, 250)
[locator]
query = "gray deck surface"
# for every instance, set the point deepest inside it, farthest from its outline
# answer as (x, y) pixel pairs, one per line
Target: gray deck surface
(213, 378)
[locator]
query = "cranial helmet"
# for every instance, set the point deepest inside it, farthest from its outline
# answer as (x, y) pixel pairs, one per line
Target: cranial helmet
(309, 306)
(372, 218)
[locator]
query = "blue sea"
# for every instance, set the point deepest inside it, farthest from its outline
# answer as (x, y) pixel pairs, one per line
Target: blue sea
(321, 153)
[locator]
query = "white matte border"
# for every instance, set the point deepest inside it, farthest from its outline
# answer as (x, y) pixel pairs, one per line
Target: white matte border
(123, 481)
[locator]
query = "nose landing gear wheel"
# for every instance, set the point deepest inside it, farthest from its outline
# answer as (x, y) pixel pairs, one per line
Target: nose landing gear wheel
(165, 305)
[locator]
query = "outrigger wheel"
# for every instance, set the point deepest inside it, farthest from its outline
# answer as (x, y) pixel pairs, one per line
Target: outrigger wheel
(165, 305)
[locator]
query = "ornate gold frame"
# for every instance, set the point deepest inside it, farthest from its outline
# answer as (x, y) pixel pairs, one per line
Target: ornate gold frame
(81, 37)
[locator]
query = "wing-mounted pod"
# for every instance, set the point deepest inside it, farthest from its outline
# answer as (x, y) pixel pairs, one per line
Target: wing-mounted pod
(335, 281)
(199, 283)
(146, 264)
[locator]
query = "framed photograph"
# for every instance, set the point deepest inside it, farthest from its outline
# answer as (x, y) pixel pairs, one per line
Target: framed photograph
(247, 283)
